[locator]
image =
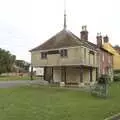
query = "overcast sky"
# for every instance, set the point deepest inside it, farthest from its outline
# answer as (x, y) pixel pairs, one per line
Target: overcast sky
(25, 24)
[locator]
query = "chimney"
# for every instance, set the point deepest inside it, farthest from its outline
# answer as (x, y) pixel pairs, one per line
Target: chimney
(84, 33)
(99, 40)
(106, 39)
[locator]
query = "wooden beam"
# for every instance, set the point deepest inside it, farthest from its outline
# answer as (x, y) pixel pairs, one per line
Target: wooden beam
(65, 75)
(44, 73)
(91, 70)
(81, 74)
(31, 73)
(97, 74)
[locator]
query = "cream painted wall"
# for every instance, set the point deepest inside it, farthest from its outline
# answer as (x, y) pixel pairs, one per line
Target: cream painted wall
(75, 57)
(73, 75)
(56, 74)
(94, 75)
(86, 76)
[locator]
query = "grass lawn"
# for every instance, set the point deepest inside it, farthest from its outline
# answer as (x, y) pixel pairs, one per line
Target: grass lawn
(43, 103)
(9, 78)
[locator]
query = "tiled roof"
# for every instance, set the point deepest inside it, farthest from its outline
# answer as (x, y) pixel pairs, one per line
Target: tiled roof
(63, 39)
(109, 48)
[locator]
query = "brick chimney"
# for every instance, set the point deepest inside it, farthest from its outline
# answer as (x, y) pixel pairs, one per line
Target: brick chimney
(84, 33)
(99, 40)
(106, 39)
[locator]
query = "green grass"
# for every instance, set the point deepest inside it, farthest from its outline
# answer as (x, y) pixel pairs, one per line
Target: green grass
(10, 78)
(43, 103)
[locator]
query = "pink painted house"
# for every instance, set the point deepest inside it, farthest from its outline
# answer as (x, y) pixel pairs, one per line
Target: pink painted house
(105, 57)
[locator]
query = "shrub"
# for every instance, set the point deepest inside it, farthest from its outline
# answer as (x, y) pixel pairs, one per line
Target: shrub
(116, 77)
(104, 79)
(117, 71)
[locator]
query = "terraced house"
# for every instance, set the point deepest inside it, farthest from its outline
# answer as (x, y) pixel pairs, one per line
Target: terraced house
(116, 54)
(67, 58)
(105, 57)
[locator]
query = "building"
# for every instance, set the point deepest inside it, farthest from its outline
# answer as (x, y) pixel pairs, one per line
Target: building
(71, 59)
(105, 57)
(116, 56)
(67, 58)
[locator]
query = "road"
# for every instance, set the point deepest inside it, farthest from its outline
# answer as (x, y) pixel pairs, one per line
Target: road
(8, 84)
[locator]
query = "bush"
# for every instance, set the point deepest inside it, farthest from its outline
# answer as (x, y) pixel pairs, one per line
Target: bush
(117, 71)
(117, 77)
(104, 79)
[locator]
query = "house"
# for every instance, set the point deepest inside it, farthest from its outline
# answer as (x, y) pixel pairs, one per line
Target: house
(67, 58)
(105, 57)
(116, 56)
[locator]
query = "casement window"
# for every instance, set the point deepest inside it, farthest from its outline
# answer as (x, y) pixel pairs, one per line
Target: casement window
(43, 55)
(64, 53)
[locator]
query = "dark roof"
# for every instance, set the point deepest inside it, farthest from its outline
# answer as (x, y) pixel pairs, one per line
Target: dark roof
(63, 39)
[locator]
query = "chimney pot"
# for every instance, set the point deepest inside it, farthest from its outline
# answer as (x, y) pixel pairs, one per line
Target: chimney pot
(84, 33)
(99, 40)
(106, 39)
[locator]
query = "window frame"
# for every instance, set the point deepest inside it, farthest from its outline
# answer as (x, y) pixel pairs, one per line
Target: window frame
(64, 53)
(43, 55)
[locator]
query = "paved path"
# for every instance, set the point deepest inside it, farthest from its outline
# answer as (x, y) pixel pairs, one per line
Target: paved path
(7, 84)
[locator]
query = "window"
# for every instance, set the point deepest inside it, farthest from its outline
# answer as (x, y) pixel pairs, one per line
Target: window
(63, 53)
(43, 55)
(53, 52)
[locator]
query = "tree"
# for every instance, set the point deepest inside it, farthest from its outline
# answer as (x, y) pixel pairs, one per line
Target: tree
(7, 61)
(117, 48)
(23, 65)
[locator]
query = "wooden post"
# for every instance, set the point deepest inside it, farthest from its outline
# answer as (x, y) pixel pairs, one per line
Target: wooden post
(91, 70)
(63, 74)
(81, 74)
(97, 74)
(31, 73)
(44, 73)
